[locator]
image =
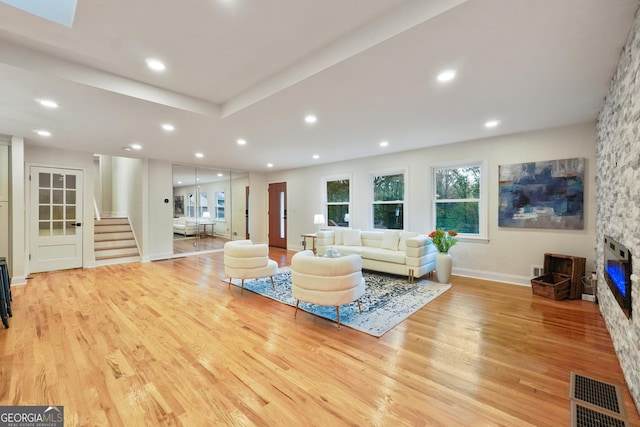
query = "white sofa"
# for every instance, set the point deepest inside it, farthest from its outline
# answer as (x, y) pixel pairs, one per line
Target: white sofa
(391, 251)
(186, 226)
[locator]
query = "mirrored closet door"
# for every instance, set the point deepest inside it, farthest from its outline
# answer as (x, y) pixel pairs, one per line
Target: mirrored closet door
(209, 208)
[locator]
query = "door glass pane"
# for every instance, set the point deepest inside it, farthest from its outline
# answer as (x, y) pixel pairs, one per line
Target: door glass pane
(45, 213)
(58, 197)
(71, 212)
(58, 228)
(71, 181)
(43, 229)
(282, 217)
(44, 180)
(71, 197)
(44, 197)
(58, 180)
(57, 212)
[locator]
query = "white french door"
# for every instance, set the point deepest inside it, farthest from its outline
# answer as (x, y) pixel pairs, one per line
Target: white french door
(56, 219)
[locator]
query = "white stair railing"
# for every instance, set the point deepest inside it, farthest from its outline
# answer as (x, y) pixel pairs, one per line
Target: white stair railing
(96, 213)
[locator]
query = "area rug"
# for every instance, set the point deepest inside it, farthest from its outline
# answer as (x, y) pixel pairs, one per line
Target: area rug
(388, 299)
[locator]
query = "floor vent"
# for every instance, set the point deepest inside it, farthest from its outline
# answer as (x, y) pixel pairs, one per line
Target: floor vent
(584, 416)
(597, 393)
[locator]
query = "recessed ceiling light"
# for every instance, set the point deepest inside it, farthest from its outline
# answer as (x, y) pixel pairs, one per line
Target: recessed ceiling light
(316, 157)
(199, 155)
(241, 141)
(446, 76)
(269, 165)
(168, 127)
(219, 174)
(126, 148)
(492, 123)
(384, 143)
(311, 119)
(43, 132)
(155, 65)
(179, 182)
(47, 103)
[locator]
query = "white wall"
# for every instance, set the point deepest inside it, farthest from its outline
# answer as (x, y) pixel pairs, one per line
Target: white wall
(127, 192)
(160, 213)
(259, 201)
(237, 206)
(17, 216)
(510, 252)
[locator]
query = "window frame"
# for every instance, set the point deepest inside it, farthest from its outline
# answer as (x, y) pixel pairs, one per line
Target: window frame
(483, 207)
(326, 203)
(405, 204)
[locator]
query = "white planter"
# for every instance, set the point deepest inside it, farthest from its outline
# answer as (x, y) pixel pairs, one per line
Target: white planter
(443, 267)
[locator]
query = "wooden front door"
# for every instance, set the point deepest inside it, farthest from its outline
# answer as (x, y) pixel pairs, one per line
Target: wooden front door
(278, 215)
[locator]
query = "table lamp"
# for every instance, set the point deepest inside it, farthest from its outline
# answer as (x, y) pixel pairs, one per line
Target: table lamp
(318, 219)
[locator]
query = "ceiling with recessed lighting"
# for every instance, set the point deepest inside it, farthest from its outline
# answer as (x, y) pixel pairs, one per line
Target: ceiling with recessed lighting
(256, 71)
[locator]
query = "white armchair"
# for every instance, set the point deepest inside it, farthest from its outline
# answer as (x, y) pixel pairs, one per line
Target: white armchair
(246, 260)
(326, 281)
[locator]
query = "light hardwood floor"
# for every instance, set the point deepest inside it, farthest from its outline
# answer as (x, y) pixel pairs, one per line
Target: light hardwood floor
(183, 245)
(167, 343)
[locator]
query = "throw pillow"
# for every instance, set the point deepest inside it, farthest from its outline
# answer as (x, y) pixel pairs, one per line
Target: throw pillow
(337, 236)
(351, 237)
(390, 239)
(402, 246)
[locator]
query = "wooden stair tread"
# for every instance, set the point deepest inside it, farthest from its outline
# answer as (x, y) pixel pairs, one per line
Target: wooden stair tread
(114, 240)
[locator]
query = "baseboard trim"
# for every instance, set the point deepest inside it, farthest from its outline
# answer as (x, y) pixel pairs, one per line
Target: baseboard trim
(18, 280)
(493, 276)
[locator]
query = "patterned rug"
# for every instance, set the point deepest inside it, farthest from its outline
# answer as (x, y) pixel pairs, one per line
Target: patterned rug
(387, 301)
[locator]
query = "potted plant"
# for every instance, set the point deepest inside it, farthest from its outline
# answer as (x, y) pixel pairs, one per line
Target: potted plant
(443, 241)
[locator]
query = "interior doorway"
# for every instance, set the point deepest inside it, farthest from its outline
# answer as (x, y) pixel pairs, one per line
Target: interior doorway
(278, 215)
(56, 219)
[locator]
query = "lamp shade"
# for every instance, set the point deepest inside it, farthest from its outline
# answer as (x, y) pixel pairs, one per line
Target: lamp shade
(206, 215)
(318, 219)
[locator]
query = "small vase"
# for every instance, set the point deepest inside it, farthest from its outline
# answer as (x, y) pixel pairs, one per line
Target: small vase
(443, 267)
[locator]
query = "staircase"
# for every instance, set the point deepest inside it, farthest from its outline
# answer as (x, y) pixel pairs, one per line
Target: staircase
(114, 242)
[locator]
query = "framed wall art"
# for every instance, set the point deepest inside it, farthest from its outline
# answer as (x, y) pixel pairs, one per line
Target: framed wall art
(178, 205)
(546, 194)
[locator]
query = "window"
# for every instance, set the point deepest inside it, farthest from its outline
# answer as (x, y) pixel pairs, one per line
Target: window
(191, 205)
(204, 205)
(458, 199)
(220, 205)
(388, 201)
(338, 193)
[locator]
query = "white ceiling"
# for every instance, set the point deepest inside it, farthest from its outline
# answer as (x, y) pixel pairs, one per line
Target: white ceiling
(253, 69)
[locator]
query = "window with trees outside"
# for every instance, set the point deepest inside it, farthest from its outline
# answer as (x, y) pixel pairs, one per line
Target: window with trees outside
(388, 201)
(219, 205)
(338, 193)
(458, 202)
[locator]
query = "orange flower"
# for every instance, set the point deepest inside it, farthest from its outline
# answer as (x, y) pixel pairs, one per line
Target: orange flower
(432, 234)
(452, 233)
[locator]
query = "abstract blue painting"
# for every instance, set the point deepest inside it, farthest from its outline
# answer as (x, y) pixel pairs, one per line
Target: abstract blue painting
(546, 194)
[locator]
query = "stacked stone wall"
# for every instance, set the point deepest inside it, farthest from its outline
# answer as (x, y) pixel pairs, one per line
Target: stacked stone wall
(618, 201)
